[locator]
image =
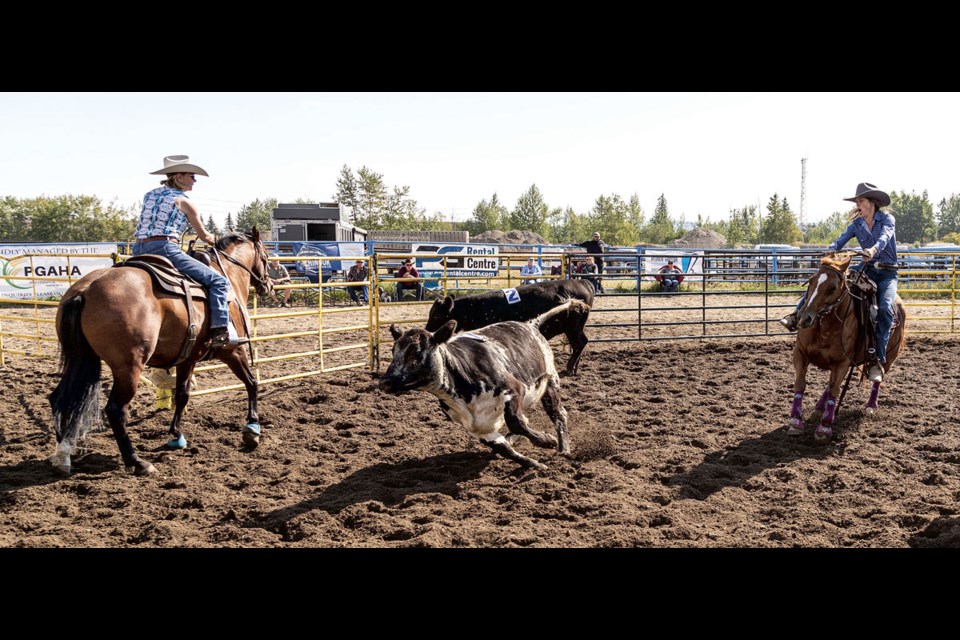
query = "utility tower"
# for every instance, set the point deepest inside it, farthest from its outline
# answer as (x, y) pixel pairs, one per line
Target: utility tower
(803, 192)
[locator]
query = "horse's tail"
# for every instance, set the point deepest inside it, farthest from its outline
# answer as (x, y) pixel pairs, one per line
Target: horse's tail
(76, 400)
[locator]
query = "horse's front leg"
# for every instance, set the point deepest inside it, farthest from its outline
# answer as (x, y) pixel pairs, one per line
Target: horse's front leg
(824, 430)
(237, 361)
(795, 424)
(182, 396)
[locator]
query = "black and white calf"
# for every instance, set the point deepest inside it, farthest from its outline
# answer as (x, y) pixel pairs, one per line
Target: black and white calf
(486, 378)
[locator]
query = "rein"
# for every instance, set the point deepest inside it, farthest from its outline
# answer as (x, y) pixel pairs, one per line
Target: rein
(260, 287)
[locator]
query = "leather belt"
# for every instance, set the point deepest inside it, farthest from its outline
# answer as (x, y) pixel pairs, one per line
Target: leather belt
(890, 267)
(155, 238)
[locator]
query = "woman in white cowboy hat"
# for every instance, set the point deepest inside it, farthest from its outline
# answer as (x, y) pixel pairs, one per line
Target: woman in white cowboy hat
(165, 215)
(877, 233)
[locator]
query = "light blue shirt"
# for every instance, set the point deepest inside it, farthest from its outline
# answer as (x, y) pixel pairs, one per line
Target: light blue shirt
(531, 270)
(883, 236)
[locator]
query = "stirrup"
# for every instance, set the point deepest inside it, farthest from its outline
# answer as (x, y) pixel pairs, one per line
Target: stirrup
(220, 338)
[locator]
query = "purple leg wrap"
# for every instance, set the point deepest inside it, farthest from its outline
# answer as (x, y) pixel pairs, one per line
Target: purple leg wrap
(874, 396)
(829, 411)
(822, 402)
(796, 409)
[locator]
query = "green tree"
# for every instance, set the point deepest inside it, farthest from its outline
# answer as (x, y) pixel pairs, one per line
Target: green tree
(743, 228)
(949, 214)
(211, 225)
(376, 207)
(489, 216)
(531, 212)
(780, 225)
(660, 229)
(611, 217)
(566, 227)
(635, 215)
(953, 237)
(228, 226)
(915, 220)
(256, 214)
(828, 230)
(348, 189)
(66, 218)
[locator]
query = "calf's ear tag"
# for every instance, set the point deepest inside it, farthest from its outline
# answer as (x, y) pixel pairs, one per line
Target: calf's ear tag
(512, 296)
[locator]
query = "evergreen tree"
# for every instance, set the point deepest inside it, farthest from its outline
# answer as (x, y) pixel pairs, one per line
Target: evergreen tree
(211, 225)
(228, 226)
(660, 229)
(780, 225)
(635, 214)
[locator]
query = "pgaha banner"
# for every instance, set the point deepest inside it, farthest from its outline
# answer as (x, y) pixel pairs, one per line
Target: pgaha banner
(48, 261)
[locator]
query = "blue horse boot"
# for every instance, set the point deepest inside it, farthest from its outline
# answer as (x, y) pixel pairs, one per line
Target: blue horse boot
(251, 434)
(177, 443)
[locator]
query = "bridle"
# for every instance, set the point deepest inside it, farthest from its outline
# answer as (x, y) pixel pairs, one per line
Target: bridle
(259, 283)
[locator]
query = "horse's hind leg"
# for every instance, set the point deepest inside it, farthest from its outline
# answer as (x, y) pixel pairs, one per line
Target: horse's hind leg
(184, 374)
(237, 361)
(124, 388)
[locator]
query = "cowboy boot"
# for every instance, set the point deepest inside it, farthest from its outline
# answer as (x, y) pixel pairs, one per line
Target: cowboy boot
(789, 321)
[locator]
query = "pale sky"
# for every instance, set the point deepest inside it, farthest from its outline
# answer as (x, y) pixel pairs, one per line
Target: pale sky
(706, 152)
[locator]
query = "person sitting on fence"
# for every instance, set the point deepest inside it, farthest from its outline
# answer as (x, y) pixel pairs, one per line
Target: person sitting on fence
(669, 277)
(278, 274)
(530, 269)
(408, 271)
(589, 271)
(358, 273)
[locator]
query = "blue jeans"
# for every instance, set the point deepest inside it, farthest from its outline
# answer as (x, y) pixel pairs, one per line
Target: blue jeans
(353, 293)
(670, 285)
(407, 286)
(886, 280)
(217, 286)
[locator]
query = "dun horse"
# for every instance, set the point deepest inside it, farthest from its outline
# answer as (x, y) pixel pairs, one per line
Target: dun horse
(830, 336)
(118, 315)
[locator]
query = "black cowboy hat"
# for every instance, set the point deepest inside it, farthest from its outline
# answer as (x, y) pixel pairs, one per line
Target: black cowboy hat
(867, 190)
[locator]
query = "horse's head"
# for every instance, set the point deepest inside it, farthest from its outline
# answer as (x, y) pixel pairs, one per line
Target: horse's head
(253, 260)
(825, 288)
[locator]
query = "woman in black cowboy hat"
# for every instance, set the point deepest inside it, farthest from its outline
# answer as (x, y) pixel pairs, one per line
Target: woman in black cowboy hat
(876, 231)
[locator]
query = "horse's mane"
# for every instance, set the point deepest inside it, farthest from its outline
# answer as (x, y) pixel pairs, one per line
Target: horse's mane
(234, 237)
(838, 261)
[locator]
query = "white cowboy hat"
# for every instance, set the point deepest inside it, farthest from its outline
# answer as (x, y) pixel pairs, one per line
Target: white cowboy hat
(867, 190)
(178, 164)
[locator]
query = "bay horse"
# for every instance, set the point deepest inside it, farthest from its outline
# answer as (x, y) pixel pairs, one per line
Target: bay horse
(830, 336)
(117, 315)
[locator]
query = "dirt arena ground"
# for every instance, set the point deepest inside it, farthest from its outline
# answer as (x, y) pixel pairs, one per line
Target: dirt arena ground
(676, 444)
